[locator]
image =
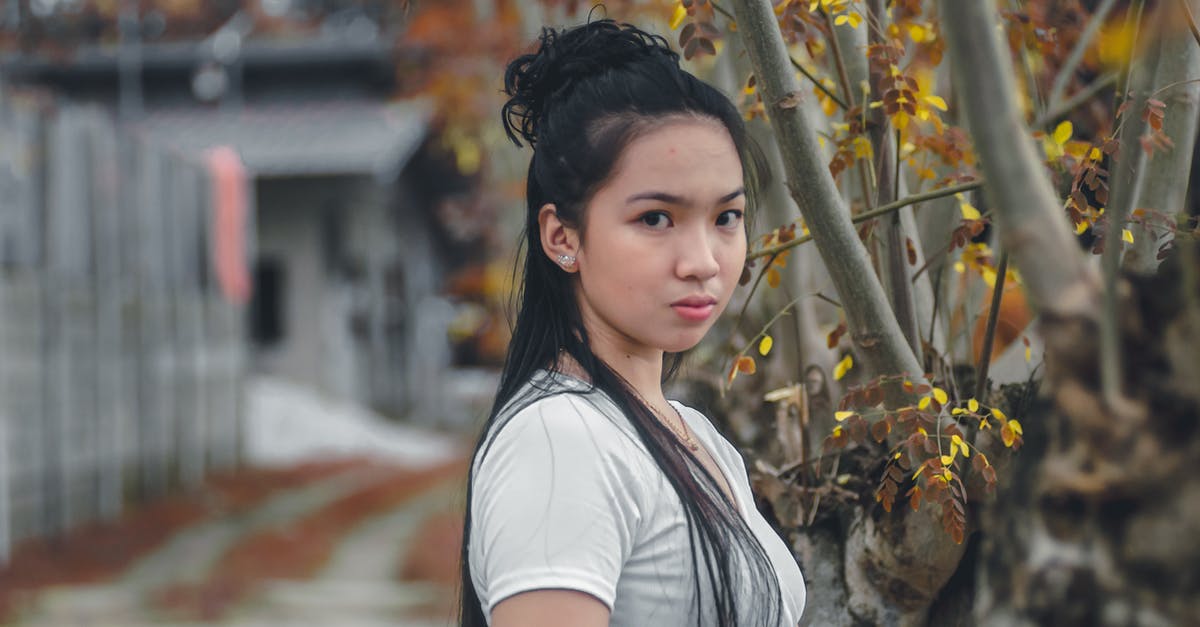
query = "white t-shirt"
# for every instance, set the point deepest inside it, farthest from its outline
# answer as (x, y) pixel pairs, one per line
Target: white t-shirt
(566, 496)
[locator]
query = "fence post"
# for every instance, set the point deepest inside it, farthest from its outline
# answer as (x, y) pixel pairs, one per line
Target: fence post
(109, 330)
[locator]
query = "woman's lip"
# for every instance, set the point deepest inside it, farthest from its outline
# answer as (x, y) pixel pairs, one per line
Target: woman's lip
(694, 312)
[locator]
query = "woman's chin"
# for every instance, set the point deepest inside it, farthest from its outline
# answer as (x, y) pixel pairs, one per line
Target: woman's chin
(683, 344)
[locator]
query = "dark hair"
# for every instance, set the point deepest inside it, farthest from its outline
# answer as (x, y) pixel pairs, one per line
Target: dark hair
(607, 84)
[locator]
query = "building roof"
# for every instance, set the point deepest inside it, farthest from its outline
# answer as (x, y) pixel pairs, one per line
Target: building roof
(343, 138)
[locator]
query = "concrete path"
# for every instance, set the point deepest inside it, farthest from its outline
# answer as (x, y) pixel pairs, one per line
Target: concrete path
(358, 586)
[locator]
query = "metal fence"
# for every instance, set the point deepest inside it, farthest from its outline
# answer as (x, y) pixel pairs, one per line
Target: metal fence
(120, 361)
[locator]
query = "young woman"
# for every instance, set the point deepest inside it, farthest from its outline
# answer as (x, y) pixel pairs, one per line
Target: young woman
(592, 499)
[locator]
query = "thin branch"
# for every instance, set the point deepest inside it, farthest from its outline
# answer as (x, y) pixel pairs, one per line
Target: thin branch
(796, 64)
(1191, 20)
(838, 59)
(985, 356)
(1160, 90)
(1085, 39)
(737, 321)
(1054, 112)
(1133, 16)
(763, 331)
(870, 215)
(723, 11)
(848, 91)
(1126, 183)
(832, 96)
(822, 296)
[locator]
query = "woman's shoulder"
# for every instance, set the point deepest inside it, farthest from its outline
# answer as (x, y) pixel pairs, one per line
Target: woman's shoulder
(563, 413)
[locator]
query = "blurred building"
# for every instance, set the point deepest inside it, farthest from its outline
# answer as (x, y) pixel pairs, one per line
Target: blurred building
(181, 213)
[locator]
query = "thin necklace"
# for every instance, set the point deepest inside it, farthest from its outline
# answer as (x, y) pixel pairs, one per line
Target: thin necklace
(683, 435)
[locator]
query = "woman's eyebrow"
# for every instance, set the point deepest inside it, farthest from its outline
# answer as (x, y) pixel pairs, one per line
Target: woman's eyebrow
(674, 199)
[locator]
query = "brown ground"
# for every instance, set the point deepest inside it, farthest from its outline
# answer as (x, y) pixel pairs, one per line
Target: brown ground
(101, 551)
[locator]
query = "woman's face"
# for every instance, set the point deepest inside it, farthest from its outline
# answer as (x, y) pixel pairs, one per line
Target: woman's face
(664, 242)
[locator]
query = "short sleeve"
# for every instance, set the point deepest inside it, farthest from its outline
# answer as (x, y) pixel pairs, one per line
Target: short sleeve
(553, 504)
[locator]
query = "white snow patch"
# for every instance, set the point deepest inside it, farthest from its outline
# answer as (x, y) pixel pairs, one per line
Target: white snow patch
(287, 423)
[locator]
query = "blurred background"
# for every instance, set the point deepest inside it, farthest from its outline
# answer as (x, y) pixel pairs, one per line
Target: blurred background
(254, 259)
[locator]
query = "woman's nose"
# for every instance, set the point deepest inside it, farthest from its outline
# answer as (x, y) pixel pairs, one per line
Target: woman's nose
(697, 257)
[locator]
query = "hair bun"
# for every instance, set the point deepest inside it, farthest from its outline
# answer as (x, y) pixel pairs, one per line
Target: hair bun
(563, 58)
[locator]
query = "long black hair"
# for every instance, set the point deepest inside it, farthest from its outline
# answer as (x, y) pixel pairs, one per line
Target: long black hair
(579, 100)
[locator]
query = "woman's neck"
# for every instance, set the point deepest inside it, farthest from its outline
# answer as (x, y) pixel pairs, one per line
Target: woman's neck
(641, 369)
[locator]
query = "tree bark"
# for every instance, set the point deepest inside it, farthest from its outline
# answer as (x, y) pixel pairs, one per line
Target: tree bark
(1178, 64)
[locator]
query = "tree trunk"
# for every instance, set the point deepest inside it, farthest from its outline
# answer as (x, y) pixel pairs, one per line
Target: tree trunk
(876, 335)
(893, 565)
(1161, 192)
(1099, 521)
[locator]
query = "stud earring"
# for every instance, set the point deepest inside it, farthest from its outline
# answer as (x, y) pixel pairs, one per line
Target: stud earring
(566, 261)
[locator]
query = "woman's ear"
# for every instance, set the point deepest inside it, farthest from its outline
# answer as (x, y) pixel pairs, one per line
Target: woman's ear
(560, 241)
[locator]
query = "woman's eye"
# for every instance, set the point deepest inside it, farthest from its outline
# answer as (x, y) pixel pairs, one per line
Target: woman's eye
(656, 220)
(730, 217)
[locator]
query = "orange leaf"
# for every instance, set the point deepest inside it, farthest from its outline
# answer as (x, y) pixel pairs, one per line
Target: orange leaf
(745, 364)
(773, 277)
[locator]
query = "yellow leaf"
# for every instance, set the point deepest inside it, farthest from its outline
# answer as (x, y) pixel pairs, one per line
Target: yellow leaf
(923, 404)
(984, 424)
(1063, 132)
(969, 212)
(862, 148)
(1081, 227)
(960, 267)
(896, 456)
(947, 459)
(1127, 235)
(837, 431)
(989, 276)
(900, 119)
(1016, 426)
(1114, 43)
(843, 367)
(677, 17)
(999, 414)
(956, 443)
(468, 155)
(1028, 354)
(764, 346)
(1053, 150)
(940, 395)
(937, 102)
(1095, 154)
(853, 19)
(917, 32)
(842, 415)
(972, 406)
(957, 410)
(920, 469)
